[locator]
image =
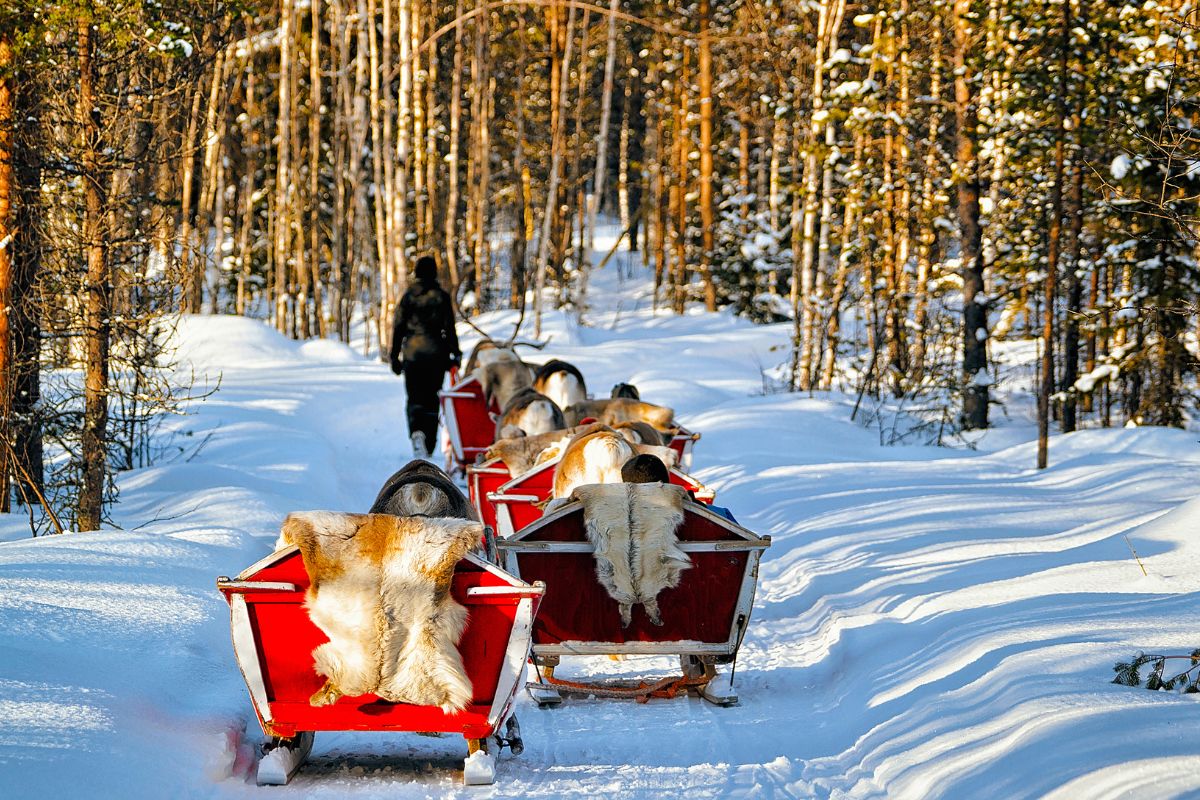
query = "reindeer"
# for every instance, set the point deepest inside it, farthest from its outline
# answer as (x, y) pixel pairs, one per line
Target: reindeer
(597, 457)
(523, 453)
(591, 458)
(529, 412)
(622, 409)
(561, 382)
(626, 390)
(638, 432)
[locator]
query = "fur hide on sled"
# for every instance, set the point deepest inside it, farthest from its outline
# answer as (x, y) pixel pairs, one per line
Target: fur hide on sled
(632, 526)
(380, 590)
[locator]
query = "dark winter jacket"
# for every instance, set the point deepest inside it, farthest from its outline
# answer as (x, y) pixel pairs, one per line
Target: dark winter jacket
(423, 329)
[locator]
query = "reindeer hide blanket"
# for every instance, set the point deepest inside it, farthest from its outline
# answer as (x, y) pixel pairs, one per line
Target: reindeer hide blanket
(380, 590)
(633, 528)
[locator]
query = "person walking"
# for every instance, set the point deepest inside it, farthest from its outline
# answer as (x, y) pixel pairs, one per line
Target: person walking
(424, 346)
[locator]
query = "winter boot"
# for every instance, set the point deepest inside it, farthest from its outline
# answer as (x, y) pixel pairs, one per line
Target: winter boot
(419, 448)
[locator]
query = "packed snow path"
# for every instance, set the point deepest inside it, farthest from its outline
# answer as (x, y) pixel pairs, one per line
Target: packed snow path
(929, 622)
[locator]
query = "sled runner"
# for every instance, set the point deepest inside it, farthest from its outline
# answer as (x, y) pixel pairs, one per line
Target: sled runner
(273, 640)
(703, 618)
(517, 502)
(470, 424)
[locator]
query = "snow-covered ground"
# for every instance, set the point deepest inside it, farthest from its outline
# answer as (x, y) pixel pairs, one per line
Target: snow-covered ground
(929, 622)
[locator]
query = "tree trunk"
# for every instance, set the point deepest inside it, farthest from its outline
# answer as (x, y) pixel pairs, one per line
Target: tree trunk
(7, 235)
(96, 317)
(314, 164)
(683, 156)
(1053, 247)
(24, 250)
(522, 213)
(556, 137)
(482, 156)
(283, 170)
(610, 66)
(403, 154)
(707, 218)
(975, 380)
(927, 239)
(192, 274)
(452, 202)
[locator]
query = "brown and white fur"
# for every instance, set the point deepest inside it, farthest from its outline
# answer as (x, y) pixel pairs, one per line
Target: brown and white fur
(486, 351)
(638, 432)
(594, 457)
(503, 379)
(633, 529)
(528, 413)
(522, 453)
(380, 590)
(561, 382)
(621, 409)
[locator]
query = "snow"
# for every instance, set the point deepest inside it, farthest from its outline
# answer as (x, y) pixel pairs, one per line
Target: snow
(1120, 166)
(928, 623)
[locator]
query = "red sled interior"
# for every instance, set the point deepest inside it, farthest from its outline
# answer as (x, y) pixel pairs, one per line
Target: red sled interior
(274, 639)
(705, 614)
(468, 419)
(482, 479)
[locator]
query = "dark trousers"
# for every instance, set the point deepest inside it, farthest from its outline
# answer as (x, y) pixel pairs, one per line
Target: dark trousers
(422, 382)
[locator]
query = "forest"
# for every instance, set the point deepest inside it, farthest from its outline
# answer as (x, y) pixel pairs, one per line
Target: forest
(906, 184)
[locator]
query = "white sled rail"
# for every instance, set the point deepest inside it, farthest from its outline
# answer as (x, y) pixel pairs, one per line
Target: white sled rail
(226, 584)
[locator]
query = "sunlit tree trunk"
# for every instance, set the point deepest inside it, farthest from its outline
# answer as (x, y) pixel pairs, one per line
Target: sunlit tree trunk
(97, 323)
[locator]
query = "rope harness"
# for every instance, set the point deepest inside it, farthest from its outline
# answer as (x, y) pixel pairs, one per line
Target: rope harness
(668, 687)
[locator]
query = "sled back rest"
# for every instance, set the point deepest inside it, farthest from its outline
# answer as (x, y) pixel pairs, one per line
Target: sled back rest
(706, 613)
(483, 479)
(468, 417)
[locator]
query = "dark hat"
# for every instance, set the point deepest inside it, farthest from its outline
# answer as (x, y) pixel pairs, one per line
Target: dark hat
(426, 270)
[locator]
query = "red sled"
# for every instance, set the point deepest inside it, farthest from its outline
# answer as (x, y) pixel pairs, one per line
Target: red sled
(482, 480)
(515, 503)
(469, 419)
(704, 617)
(273, 640)
(682, 443)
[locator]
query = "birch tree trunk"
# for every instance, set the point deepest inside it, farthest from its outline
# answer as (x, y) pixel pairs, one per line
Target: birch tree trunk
(403, 154)
(314, 164)
(283, 170)
(452, 203)
(683, 156)
(191, 275)
(610, 65)
(555, 167)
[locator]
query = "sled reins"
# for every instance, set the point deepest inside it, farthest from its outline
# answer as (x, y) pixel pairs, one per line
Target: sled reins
(668, 687)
